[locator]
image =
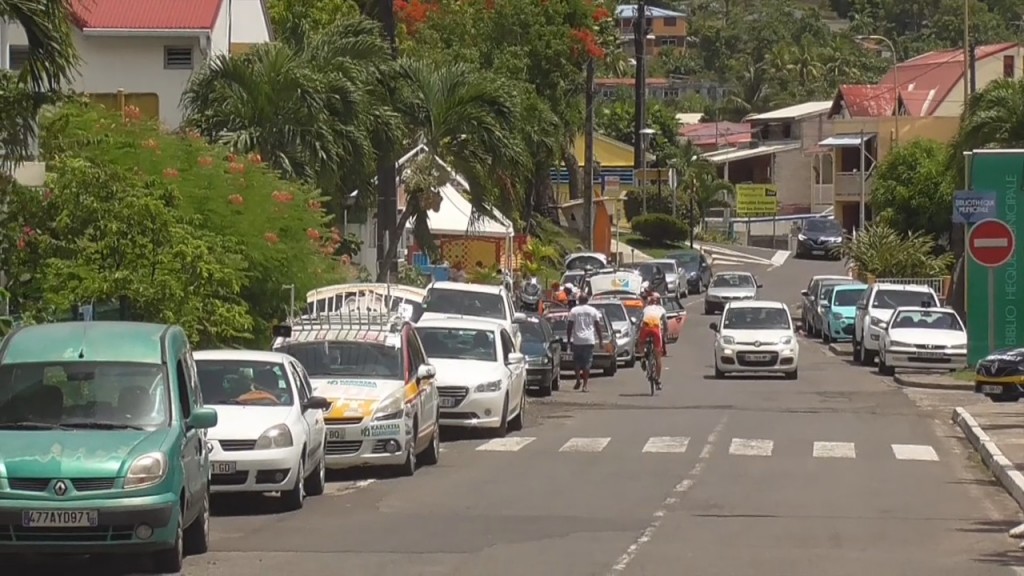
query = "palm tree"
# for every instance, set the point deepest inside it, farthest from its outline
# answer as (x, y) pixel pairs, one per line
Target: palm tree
(994, 117)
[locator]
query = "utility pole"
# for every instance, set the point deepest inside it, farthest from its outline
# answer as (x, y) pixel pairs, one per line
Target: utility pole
(387, 173)
(588, 162)
(967, 52)
(972, 59)
(640, 82)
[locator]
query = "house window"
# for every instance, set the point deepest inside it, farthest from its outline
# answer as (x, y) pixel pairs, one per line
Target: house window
(668, 42)
(669, 22)
(18, 57)
(672, 93)
(1008, 66)
(178, 58)
(650, 22)
(607, 93)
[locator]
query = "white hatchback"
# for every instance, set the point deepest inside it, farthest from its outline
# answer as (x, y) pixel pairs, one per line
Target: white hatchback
(270, 430)
(756, 336)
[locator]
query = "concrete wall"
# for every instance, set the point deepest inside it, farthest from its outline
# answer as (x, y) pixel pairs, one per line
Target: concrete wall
(987, 70)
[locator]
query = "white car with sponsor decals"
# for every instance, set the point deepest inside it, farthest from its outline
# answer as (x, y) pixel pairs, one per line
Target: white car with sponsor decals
(383, 401)
(481, 375)
(270, 430)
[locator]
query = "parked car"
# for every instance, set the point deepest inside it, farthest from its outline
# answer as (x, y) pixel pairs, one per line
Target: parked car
(756, 336)
(663, 277)
(458, 299)
(623, 330)
(543, 352)
(728, 287)
(874, 310)
(810, 307)
(839, 307)
(676, 281)
(922, 338)
(104, 435)
(481, 373)
(270, 436)
(1000, 375)
(604, 357)
(819, 237)
(693, 266)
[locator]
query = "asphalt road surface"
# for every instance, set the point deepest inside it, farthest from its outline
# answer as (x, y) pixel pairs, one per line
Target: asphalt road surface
(837, 473)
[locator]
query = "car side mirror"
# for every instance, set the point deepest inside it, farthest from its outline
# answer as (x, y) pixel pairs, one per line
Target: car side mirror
(759, 285)
(713, 326)
(804, 293)
(202, 418)
(281, 331)
(825, 305)
(518, 318)
(425, 372)
(316, 403)
(515, 358)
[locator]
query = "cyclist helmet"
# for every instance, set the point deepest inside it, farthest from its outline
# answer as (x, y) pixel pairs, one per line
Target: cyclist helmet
(653, 299)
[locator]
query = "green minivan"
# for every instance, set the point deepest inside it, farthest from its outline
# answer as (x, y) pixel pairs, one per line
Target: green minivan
(102, 442)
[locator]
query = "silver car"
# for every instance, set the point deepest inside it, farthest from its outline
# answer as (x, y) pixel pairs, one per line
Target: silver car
(670, 268)
(625, 331)
(729, 287)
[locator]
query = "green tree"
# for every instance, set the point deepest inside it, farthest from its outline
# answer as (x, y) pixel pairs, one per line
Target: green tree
(615, 120)
(913, 189)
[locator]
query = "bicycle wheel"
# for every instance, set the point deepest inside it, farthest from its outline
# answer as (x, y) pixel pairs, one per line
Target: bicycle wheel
(651, 369)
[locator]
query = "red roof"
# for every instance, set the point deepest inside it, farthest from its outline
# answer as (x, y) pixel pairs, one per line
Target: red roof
(717, 133)
(146, 14)
(864, 100)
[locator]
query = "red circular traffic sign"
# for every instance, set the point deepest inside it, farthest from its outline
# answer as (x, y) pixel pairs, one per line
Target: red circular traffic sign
(991, 242)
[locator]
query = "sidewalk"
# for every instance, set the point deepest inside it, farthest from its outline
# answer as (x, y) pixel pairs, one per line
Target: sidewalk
(931, 381)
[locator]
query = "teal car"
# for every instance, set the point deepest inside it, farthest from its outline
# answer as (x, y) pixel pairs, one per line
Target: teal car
(839, 307)
(102, 442)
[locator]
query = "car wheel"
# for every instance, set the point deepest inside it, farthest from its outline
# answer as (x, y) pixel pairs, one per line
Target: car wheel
(856, 351)
(317, 481)
(793, 375)
(826, 335)
(631, 362)
(169, 561)
(707, 310)
(196, 538)
(502, 430)
(718, 372)
(612, 369)
(408, 468)
(295, 498)
(555, 378)
(867, 357)
(545, 390)
(883, 368)
(431, 455)
(516, 423)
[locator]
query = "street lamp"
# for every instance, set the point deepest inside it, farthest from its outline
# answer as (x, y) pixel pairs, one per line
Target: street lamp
(645, 138)
(895, 74)
(693, 192)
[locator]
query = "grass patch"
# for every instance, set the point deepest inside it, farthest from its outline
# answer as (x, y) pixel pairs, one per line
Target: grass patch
(964, 375)
(659, 250)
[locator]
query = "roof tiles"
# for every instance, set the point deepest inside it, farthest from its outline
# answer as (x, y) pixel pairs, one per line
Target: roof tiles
(146, 14)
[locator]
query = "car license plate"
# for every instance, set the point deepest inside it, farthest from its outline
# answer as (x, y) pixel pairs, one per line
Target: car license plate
(991, 389)
(758, 357)
(567, 356)
(447, 402)
(817, 252)
(335, 433)
(223, 467)
(929, 354)
(60, 518)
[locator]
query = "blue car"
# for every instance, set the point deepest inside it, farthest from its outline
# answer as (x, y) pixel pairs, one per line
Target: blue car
(840, 310)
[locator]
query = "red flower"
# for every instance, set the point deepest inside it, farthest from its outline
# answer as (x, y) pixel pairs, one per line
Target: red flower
(28, 231)
(412, 13)
(47, 195)
(313, 234)
(236, 199)
(236, 167)
(271, 238)
(151, 144)
(131, 113)
(232, 158)
(170, 174)
(315, 205)
(282, 197)
(205, 161)
(489, 5)
(255, 159)
(21, 243)
(588, 42)
(601, 14)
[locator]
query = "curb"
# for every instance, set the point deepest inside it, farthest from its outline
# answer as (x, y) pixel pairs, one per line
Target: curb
(911, 383)
(1008, 477)
(840, 351)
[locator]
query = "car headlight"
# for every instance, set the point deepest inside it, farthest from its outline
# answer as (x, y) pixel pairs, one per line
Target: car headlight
(786, 340)
(492, 386)
(898, 344)
(146, 470)
(279, 436)
(801, 237)
(877, 322)
(959, 346)
(691, 275)
(392, 407)
(728, 340)
(837, 316)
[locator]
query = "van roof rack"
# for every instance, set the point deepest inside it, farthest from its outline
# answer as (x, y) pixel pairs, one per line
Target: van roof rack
(367, 327)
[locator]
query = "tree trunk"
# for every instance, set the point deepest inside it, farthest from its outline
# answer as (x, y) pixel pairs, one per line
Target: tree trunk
(392, 245)
(541, 191)
(572, 166)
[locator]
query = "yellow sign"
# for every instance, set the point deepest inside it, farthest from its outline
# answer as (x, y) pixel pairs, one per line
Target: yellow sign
(754, 200)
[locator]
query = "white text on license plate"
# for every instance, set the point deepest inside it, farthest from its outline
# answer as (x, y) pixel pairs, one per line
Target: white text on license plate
(335, 434)
(447, 402)
(222, 467)
(818, 252)
(758, 357)
(991, 389)
(929, 354)
(566, 357)
(59, 518)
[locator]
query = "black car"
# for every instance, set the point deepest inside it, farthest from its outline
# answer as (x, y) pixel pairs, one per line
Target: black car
(543, 353)
(819, 238)
(694, 266)
(1000, 375)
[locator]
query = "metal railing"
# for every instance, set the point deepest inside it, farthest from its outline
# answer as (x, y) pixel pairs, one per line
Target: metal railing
(938, 284)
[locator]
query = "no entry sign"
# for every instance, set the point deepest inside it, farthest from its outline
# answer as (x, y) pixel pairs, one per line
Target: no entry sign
(990, 242)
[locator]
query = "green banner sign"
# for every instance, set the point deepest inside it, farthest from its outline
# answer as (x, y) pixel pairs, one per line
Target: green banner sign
(994, 299)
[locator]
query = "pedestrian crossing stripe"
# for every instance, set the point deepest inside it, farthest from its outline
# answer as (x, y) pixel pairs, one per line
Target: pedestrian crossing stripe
(745, 447)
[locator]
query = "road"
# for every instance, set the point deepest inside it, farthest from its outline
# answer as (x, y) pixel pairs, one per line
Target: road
(837, 473)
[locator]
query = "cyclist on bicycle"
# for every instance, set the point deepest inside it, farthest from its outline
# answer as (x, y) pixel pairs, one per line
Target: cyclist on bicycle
(653, 327)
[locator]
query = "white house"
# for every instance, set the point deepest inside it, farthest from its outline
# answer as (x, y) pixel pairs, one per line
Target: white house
(149, 48)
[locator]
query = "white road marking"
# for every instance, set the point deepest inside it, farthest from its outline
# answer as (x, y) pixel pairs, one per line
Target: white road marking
(835, 450)
(914, 452)
(665, 444)
(585, 445)
(342, 488)
(510, 444)
(744, 447)
(682, 487)
(780, 257)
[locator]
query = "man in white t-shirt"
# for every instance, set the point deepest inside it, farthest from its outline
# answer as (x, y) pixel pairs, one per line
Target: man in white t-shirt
(584, 330)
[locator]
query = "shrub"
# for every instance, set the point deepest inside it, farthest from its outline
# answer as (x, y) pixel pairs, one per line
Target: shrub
(659, 229)
(883, 252)
(657, 202)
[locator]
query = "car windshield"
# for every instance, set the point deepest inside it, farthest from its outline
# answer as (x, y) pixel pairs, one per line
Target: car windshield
(459, 344)
(98, 395)
(751, 318)
(558, 323)
(535, 341)
(635, 312)
(847, 297)
(244, 382)
(574, 278)
(686, 259)
(823, 226)
(732, 281)
(667, 266)
(615, 311)
(349, 358)
(648, 270)
(465, 303)
(584, 262)
(929, 320)
(893, 299)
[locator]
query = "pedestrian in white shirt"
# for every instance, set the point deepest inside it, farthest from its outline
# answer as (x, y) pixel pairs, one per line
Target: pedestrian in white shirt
(584, 330)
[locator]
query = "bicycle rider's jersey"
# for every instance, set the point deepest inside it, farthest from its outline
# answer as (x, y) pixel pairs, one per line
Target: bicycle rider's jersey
(653, 316)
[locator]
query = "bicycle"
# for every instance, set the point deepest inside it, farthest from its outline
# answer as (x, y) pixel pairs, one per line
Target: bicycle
(650, 363)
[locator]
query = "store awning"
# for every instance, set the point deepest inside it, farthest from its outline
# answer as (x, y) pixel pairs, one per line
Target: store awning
(734, 154)
(841, 140)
